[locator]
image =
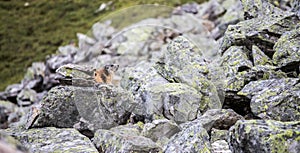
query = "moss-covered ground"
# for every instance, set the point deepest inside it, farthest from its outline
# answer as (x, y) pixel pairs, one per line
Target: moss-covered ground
(30, 30)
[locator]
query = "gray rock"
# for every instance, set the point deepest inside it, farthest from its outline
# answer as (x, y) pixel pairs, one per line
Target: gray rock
(85, 42)
(262, 30)
(216, 135)
(27, 97)
(174, 101)
(8, 144)
(52, 139)
(184, 64)
(191, 139)
(287, 49)
(8, 114)
(139, 79)
(123, 139)
(64, 105)
(220, 146)
(234, 13)
(55, 61)
(68, 50)
(264, 136)
(276, 99)
(221, 119)
(160, 130)
(76, 75)
(102, 31)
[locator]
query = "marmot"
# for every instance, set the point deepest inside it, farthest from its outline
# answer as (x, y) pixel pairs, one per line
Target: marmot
(105, 74)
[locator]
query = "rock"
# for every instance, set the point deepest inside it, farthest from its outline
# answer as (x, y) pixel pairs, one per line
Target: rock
(184, 64)
(85, 42)
(52, 139)
(191, 139)
(12, 91)
(259, 57)
(221, 119)
(102, 31)
(76, 75)
(234, 13)
(220, 146)
(296, 7)
(8, 114)
(160, 130)
(27, 97)
(216, 135)
(237, 57)
(54, 62)
(276, 99)
(8, 144)
(287, 50)
(174, 101)
(120, 140)
(64, 105)
(68, 50)
(137, 80)
(264, 136)
(263, 29)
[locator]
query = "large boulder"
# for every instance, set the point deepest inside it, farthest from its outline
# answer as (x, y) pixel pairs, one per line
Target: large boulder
(264, 136)
(52, 139)
(276, 99)
(191, 139)
(184, 63)
(65, 105)
(123, 139)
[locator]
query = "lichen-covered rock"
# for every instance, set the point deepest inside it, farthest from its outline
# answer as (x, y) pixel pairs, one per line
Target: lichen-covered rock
(287, 49)
(184, 64)
(174, 101)
(220, 146)
(264, 136)
(52, 139)
(193, 139)
(120, 140)
(237, 57)
(259, 57)
(221, 119)
(103, 106)
(8, 144)
(262, 28)
(276, 99)
(160, 130)
(76, 75)
(216, 134)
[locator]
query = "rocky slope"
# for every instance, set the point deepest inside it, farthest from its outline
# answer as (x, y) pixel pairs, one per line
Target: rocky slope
(222, 76)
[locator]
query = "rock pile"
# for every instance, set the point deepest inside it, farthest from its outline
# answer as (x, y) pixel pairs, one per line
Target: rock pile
(222, 76)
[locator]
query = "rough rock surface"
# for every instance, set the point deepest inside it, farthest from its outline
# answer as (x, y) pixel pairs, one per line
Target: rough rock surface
(276, 99)
(221, 119)
(52, 139)
(191, 139)
(64, 105)
(265, 136)
(184, 64)
(8, 144)
(116, 140)
(160, 130)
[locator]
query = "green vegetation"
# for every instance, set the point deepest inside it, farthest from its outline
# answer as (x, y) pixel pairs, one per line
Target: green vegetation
(29, 33)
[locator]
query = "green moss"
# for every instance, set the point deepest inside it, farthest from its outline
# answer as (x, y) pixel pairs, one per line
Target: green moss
(29, 33)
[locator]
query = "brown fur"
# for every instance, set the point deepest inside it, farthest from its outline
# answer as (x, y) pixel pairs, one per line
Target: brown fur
(105, 74)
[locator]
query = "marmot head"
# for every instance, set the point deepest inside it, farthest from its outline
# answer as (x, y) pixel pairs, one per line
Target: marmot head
(111, 67)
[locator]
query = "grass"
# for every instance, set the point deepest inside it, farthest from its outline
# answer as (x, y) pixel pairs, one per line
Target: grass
(30, 33)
